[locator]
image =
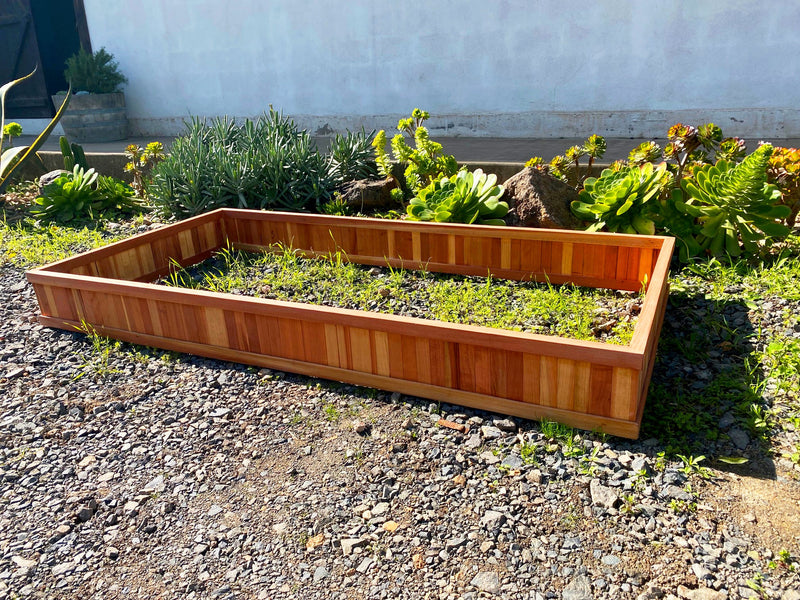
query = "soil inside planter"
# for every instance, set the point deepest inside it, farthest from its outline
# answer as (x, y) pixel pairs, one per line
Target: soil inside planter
(282, 274)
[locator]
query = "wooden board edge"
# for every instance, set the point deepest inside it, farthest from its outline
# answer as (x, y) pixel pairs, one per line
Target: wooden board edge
(528, 233)
(134, 241)
(514, 341)
(479, 401)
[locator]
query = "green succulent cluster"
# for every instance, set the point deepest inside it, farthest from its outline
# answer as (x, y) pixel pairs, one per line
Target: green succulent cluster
(466, 197)
(734, 205)
(83, 194)
(622, 200)
(425, 162)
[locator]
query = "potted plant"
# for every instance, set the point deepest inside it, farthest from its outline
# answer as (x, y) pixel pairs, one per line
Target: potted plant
(97, 108)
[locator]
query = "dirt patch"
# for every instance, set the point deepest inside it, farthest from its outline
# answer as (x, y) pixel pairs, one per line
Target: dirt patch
(767, 509)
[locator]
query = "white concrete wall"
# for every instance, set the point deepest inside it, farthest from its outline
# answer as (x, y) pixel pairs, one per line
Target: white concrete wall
(485, 68)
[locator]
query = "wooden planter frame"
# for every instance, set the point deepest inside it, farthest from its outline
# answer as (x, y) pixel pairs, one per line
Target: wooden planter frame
(590, 385)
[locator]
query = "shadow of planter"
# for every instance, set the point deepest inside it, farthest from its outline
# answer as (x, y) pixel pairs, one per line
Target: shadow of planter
(94, 117)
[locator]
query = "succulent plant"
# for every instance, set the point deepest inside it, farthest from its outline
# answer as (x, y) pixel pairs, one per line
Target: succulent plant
(466, 197)
(784, 172)
(735, 206)
(690, 146)
(425, 162)
(71, 195)
(732, 149)
(644, 153)
(622, 200)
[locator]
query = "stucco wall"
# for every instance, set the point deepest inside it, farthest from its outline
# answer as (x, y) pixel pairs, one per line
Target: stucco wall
(504, 68)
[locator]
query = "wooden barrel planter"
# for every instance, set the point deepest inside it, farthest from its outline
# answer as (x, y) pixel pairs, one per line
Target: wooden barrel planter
(585, 384)
(94, 117)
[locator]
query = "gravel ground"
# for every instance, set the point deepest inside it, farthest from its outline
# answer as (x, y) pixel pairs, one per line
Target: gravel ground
(142, 474)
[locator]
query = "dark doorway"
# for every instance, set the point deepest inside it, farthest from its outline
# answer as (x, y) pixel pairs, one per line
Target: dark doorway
(41, 33)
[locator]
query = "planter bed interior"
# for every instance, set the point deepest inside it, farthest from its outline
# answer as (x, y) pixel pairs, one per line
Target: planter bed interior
(590, 385)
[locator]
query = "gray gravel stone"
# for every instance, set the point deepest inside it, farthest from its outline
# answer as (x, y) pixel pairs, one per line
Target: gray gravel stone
(579, 588)
(487, 581)
(602, 495)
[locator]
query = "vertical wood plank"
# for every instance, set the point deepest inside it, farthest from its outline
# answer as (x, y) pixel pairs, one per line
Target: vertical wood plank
(624, 394)
(500, 372)
(483, 370)
(548, 381)
(466, 367)
(216, 332)
(505, 253)
(423, 357)
(531, 380)
(600, 382)
(582, 389)
(565, 388)
(514, 376)
(409, 360)
(331, 345)
(416, 246)
(360, 351)
(382, 356)
(566, 258)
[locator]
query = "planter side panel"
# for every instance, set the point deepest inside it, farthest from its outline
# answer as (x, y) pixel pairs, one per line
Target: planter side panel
(508, 253)
(149, 256)
(524, 384)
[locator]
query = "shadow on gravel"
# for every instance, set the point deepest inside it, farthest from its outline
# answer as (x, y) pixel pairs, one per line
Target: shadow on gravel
(705, 396)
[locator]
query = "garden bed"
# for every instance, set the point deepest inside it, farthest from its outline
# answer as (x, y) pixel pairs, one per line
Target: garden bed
(586, 384)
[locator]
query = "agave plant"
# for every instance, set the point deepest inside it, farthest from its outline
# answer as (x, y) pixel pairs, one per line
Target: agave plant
(622, 200)
(14, 158)
(466, 197)
(734, 204)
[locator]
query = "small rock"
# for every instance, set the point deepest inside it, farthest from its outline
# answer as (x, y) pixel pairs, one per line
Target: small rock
(320, 573)
(487, 581)
(380, 508)
(491, 433)
(739, 438)
(579, 588)
(473, 441)
(492, 519)
(364, 565)
(155, 485)
(702, 593)
(215, 510)
(602, 495)
(112, 553)
(348, 544)
(360, 427)
(489, 458)
(512, 461)
(701, 572)
(23, 563)
(63, 568)
(505, 425)
(83, 514)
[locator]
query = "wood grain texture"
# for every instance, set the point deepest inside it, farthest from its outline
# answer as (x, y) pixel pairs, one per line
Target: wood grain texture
(584, 384)
(444, 394)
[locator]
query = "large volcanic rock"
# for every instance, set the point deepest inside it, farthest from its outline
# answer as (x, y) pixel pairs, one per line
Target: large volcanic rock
(537, 199)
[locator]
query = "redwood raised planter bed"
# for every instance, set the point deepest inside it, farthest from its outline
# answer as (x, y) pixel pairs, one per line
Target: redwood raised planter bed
(590, 385)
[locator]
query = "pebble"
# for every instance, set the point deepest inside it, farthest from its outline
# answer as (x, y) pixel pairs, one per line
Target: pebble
(579, 588)
(487, 581)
